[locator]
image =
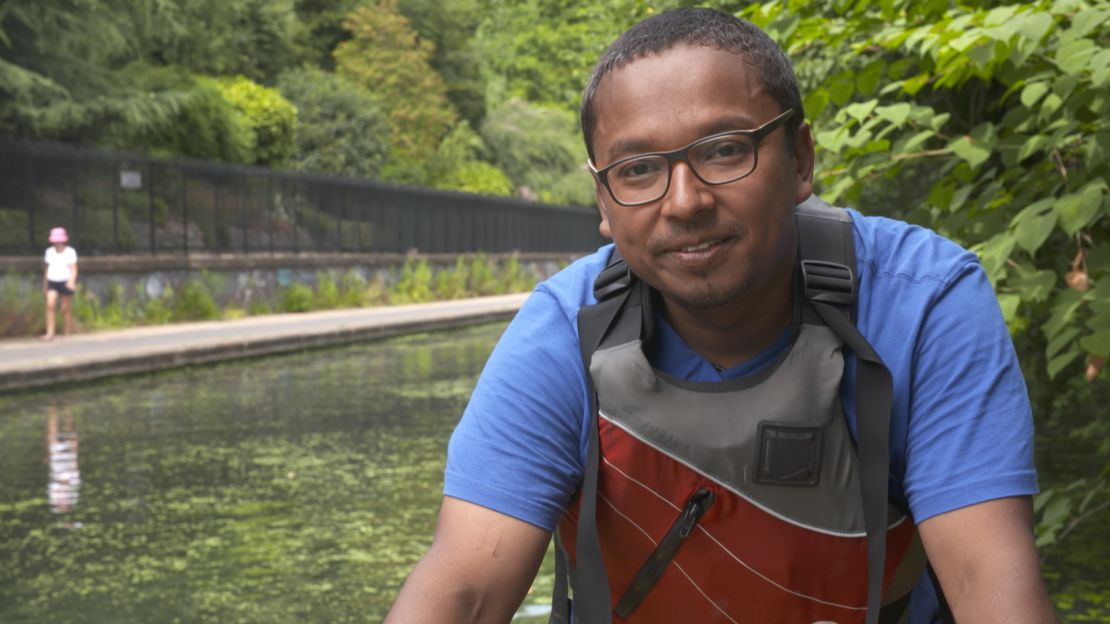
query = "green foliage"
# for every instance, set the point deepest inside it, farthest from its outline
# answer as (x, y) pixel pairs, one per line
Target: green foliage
(194, 302)
(451, 24)
(297, 297)
(206, 125)
(994, 118)
(385, 56)
(415, 284)
(458, 164)
(340, 127)
(81, 71)
(22, 311)
(322, 29)
(271, 118)
(541, 151)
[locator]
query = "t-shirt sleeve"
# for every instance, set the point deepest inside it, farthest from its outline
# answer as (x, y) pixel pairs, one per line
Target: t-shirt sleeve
(71, 255)
(970, 429)
(517, 449)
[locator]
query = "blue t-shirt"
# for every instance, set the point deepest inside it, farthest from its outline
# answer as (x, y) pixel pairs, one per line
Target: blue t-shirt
(961, 429)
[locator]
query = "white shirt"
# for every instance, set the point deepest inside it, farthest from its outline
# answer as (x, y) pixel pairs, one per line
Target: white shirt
(57, 264)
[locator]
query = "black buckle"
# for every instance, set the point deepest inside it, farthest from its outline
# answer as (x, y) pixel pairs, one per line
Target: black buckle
(828, 282)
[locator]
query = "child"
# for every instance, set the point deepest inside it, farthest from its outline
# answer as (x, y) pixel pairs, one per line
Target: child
(59, 280)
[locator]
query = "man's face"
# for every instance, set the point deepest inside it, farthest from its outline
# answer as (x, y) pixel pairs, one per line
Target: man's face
(699, 245)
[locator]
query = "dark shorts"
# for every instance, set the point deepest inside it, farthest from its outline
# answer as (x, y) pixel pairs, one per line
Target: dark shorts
(60, 287)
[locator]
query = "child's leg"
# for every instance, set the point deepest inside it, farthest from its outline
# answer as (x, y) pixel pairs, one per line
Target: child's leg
(51, 302)
(67, 313)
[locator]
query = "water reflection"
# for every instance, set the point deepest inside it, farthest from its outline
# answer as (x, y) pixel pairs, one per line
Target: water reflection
(64, 490)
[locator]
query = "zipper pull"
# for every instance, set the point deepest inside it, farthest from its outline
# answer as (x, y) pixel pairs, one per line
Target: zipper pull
(696, 506)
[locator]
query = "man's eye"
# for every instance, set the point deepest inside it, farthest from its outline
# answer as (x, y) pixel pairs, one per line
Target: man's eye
(727, 150)
(638, 169)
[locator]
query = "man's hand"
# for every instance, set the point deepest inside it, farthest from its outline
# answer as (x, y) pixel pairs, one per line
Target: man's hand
(478, 568)
(986, 561)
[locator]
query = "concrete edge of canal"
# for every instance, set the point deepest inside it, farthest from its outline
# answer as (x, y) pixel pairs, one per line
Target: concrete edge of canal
(28, 364)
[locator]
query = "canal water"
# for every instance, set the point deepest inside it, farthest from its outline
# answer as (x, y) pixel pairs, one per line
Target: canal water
(298, 488)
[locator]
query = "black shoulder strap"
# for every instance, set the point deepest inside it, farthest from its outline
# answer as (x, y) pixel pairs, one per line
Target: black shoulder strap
(827, 264)
(612, 289)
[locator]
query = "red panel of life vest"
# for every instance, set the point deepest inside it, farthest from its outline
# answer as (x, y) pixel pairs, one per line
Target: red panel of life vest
(741, 563)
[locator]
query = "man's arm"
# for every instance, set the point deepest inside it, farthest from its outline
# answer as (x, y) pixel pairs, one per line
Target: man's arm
(478, 568)
(987, 564)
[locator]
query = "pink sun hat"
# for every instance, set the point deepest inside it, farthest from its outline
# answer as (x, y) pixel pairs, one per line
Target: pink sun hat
(58, 235)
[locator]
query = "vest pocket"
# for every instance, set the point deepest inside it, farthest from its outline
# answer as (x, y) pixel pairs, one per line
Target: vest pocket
(657, 562)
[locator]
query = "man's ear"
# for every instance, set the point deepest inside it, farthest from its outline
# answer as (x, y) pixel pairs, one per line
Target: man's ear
(602, 196)
(803, 164)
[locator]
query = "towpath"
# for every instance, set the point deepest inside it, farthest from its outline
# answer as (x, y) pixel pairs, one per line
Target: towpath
(30, 363)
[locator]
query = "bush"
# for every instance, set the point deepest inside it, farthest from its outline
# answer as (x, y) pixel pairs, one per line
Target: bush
(415, 284)
(194, 303)
(269, 115)
(340, 127)
(206, 124)
(297, 298)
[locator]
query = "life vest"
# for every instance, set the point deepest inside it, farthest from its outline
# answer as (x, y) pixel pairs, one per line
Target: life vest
(744, 500)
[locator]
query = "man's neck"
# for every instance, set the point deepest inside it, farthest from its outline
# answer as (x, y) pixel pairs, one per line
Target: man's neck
(731, 334)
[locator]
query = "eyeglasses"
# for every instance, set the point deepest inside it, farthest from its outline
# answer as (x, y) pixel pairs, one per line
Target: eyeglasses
(716, 159)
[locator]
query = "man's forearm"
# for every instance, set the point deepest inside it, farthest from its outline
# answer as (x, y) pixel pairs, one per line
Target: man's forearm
(424, 598)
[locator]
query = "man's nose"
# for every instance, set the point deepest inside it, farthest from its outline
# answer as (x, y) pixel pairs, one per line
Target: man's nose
(687, 196)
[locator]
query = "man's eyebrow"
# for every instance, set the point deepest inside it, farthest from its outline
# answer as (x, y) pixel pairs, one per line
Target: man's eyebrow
(624, 148)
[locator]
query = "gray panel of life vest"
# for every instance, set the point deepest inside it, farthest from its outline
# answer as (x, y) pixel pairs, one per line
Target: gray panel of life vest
(778, 438)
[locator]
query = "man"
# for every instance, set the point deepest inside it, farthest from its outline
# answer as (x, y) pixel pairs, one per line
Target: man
(695, 131)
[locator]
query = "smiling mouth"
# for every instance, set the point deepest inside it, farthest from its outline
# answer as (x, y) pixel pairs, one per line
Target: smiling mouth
(699, 247)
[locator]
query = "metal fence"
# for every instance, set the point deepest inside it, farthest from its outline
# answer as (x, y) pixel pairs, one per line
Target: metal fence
(121, 203)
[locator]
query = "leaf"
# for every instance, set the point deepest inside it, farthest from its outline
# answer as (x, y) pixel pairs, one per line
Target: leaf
(915, 83)
(895, 113)
(1078, 209)
(1034, 26)
(1033, 145)
(1034, 225)
(1033, 93)
(1059, 342)
(1097, 343)
(994, 253)
(1009, 304)
(1072, 55)
(1034, 285)
(1087, 21)
(861, 110)
(1063, 310)
(1058, 363)
(966, 148)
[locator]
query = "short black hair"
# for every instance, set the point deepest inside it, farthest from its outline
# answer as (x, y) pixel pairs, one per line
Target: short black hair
(698, 27)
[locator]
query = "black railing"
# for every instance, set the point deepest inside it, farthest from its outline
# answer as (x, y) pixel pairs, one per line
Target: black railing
(122, 203)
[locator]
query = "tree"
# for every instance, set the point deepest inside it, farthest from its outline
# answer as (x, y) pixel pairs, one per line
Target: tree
(271, 118)
(458, 164)
(388, 58)
(451, 25)
(340, 128)
(64, 71)
(998, 113)
(541, 151)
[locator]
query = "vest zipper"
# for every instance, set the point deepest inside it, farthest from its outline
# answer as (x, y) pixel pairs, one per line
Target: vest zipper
(664, 552)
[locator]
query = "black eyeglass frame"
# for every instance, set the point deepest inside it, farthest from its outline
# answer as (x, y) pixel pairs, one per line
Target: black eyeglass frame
(682, 155)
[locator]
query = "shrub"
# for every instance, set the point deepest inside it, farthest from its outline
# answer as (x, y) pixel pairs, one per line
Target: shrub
(194, 303)
(297, 298)
(415, 284)
(269, 115)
